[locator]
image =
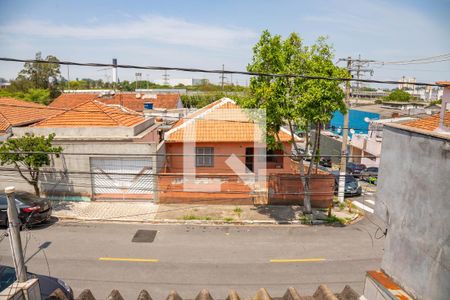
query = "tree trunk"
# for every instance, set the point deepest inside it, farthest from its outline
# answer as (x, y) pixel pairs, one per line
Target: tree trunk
(305, 182)
(319, 130)
(37, 191)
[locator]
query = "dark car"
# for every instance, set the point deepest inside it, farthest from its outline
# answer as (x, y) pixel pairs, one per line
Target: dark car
(32, 210)
(47, 284)
(325, 161)
(352, 188)
(369, 173)
(355, 169)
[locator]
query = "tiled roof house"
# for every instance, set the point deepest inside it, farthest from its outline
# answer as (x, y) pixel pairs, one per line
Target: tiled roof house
(110, 152)
(134, 101)
(223, 149)
(15, 112)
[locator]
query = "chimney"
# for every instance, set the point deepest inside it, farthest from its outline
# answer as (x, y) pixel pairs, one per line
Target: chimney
(114, 71)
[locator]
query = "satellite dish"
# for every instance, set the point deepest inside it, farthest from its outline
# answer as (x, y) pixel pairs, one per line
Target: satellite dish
(339, 130)
(352, 131)
(366, 119)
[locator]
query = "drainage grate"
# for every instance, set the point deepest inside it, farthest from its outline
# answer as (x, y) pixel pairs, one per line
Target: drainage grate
(144, 236)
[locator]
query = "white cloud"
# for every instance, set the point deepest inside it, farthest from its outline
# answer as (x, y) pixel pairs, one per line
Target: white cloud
(150, 28)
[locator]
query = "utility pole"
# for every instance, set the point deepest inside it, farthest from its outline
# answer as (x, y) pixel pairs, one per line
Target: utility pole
(359, 67)
(14, 236)
(343, 167)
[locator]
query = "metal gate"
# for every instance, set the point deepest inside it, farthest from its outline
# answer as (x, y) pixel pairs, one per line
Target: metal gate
(122, 177)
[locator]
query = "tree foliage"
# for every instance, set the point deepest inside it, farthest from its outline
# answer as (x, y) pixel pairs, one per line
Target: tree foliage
(28, 154)
(41, 96)
(291, 102)
(398, 95)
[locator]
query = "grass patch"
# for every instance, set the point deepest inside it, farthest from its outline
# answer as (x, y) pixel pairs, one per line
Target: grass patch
(228, 219)
(192, 217)
(238, 211)
(305, 219)
(334, 219)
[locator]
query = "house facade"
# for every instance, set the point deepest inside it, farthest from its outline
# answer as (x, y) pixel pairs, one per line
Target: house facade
(109, 152)
(218, 155)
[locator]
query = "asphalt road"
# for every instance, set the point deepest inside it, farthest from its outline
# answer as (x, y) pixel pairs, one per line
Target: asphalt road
(102, 257)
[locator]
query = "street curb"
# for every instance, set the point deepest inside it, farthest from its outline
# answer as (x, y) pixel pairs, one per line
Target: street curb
(202, 222)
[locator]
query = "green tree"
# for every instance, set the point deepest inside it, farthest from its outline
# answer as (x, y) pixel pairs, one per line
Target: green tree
(41, 96)
(399, 95)
(295, 102)
(42, 75)
(28, 154)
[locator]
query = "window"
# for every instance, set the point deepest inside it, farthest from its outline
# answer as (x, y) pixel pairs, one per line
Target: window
(204, 156)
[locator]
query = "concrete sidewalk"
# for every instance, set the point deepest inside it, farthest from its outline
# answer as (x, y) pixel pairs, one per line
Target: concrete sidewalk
(106, 211)
(148, 212)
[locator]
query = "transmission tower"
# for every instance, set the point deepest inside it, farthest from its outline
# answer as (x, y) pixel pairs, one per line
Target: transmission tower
(165, 78)
(222, 76)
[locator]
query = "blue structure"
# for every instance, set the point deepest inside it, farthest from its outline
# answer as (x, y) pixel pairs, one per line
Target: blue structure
(356, 121)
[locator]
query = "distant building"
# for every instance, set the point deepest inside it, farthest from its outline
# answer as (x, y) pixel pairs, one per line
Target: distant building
(407, 83)
(181, 81)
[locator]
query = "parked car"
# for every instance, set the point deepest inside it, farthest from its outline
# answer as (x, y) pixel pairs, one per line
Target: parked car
(47, 284)
(369, 173)
(32, 210)
(352, 188)
(355, 169)
(325, 161)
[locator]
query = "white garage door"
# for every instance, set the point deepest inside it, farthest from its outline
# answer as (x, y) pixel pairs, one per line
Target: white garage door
(122, 177)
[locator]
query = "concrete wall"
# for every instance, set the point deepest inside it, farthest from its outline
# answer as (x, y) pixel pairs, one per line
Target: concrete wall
(77, 186)
(413, 198)
(328, 146)
(87, 131)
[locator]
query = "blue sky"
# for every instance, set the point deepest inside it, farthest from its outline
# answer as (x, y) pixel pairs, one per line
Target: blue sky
(207, 34)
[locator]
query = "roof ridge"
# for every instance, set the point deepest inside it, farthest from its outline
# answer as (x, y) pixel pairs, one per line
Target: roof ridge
(63, 111)
(220, 102)
(96, 102)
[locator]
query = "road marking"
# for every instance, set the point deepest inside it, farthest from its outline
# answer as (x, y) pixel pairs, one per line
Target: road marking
(297, 260)
(128, 259)
(362, 206)
(370, 201)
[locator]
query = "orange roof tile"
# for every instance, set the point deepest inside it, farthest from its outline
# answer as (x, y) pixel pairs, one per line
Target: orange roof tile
(167, 101)
(444, 83)
(15, 112)
(129, 100)
(220, 121)
(93, 113)
(430, 123)
(68, 101)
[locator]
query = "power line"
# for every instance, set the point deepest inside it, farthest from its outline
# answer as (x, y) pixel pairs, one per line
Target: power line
(196, 70)
(176, 154)
(425, 60)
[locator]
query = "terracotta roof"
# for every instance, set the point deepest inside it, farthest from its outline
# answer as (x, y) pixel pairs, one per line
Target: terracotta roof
(129, 100)
(220, 121)
(444, 83)
(15, 112)
(167, 101)
(430, 123)
(67, 101)
(93, 113)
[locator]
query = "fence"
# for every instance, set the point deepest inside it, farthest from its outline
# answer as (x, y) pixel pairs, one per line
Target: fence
(276, 189)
